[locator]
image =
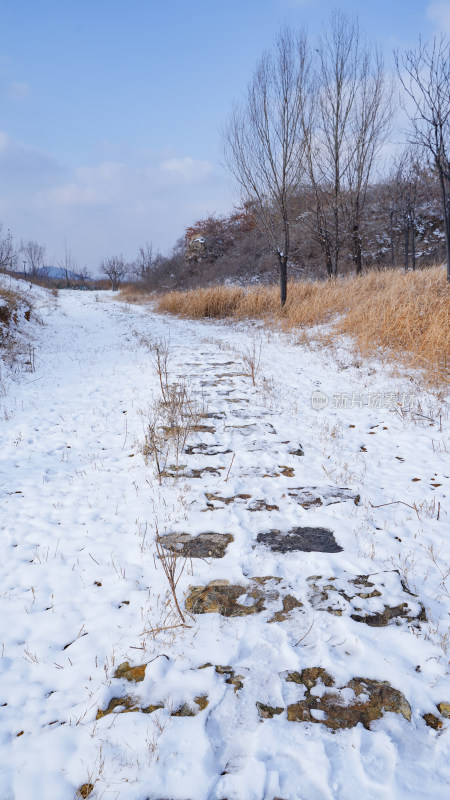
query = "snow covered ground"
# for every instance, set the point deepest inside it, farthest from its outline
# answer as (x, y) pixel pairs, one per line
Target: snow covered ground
(256, 700)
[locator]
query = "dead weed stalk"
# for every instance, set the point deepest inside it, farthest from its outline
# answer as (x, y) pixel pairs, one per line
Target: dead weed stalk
(252, 360)
(170, 559)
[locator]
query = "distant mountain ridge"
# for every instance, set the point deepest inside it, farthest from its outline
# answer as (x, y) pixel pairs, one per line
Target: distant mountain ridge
(58, 273)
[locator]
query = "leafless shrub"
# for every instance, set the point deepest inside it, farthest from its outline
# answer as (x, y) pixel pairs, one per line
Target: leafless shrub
(155, 447)
(252, 360)
(173, 417)
(173, 565)
(160, 353)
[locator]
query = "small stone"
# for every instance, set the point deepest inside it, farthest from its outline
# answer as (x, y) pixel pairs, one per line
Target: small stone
(298, 452)
(122, 704)
(432, 721)
(310, 496)
(444, 709)
(233, 680)
(310, 676)
(268, 712)
(202, 701)
(216, 498)
(288, 472)
(130, 673)
(223, 670)
(183, 711)
(261, 505)
(289, 603)
(150, 709)
(85, 790)
(198, 473)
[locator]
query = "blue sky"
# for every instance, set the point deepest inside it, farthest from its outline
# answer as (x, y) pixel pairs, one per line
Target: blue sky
(110, 110)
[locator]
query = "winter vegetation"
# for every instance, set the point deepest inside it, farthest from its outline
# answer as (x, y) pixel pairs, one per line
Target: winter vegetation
(391, 312)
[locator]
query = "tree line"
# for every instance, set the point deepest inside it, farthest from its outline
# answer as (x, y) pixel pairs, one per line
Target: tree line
(314, 125)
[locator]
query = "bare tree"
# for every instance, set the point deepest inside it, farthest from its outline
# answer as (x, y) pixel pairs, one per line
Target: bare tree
(144, 264)
(115, 268)
(8, 253)
(407, 179)
(33, 254)
(352, 121)
(67, 264)
(425, 77)
(371, 125)
(264, 142)
(83, 273)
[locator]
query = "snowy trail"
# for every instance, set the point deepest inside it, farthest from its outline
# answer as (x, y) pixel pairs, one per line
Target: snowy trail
(80, 587)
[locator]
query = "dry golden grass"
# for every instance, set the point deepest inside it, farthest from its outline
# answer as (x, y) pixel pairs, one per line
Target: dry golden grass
(134, 293)
(404, 314)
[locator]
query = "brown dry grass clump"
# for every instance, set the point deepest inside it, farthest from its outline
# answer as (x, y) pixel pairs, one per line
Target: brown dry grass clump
(134, 293)
(406, 314)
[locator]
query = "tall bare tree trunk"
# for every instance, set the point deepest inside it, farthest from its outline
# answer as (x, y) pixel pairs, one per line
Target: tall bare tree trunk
(265, 142)
(425, 76)
(446, 209)
(391, 231)
(282, 263)
(406, 238)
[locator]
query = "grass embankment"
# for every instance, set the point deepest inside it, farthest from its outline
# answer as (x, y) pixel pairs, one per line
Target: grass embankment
(403, 313)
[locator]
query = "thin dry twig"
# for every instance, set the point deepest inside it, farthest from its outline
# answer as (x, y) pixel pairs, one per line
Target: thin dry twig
(229, 468)
(394, 503)
(164, 628)
(306, 634)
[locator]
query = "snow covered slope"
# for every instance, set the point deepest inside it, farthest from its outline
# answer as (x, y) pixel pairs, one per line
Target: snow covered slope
(315, 654)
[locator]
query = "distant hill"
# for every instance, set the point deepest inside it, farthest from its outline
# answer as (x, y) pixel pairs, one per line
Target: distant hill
(58, 273)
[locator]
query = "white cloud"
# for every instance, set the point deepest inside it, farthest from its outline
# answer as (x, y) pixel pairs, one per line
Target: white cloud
(90, 186)
(186, 169)
(113, 206)
(112, 183)
(439, 13)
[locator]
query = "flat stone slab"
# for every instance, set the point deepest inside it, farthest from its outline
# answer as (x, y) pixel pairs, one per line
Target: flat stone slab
(261, 505)
(220, 597)
(204, 449)
(251, 429)
(372, 699)
(376, 599)
(307, 540)
(217, 498)
(182, 471)
(205, 545)
(310, 496)
(234, 600)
